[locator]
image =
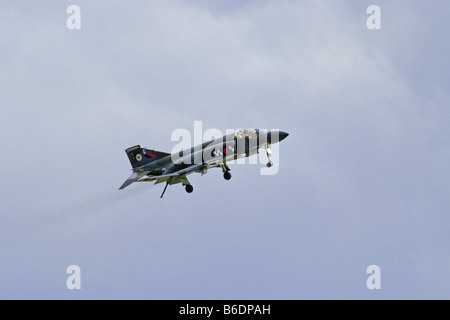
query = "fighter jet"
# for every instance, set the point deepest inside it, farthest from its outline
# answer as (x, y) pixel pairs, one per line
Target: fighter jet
(159, 167)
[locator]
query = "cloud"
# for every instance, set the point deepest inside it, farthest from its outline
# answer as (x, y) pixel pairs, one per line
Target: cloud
(362, 178)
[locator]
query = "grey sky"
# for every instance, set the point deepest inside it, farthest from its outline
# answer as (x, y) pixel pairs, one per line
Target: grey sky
(364, 175)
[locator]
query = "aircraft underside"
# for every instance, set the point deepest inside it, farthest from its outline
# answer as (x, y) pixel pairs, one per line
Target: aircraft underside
(184, 180)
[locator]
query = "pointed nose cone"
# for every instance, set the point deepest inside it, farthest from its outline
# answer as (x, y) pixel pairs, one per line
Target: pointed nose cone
(276, 136)
(283, 135)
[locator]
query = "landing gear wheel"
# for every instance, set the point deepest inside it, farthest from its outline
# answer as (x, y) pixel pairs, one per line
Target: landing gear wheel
(189, 188)
(227, 175)
(269, 152)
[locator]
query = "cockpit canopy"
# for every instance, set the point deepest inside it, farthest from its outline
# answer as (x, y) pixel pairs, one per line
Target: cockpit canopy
(240, 133)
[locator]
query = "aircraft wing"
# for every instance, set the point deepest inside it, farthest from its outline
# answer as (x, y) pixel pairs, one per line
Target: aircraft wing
(181, 172)
(191, 169)
(138, 175)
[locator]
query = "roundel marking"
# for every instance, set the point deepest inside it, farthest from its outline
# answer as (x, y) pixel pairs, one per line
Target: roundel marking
(138, 157)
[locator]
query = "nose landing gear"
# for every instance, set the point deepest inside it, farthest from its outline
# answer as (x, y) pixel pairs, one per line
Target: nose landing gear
(269, 152)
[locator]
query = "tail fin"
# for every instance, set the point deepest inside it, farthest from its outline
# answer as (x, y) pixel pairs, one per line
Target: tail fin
(139, 156)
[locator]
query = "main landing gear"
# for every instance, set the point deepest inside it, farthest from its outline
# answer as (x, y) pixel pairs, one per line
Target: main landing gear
(269, 152)
(226, 172)
(227, 175)
(189, 188)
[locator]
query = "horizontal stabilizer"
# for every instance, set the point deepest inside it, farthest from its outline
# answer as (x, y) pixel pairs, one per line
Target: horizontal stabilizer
(133, 178)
